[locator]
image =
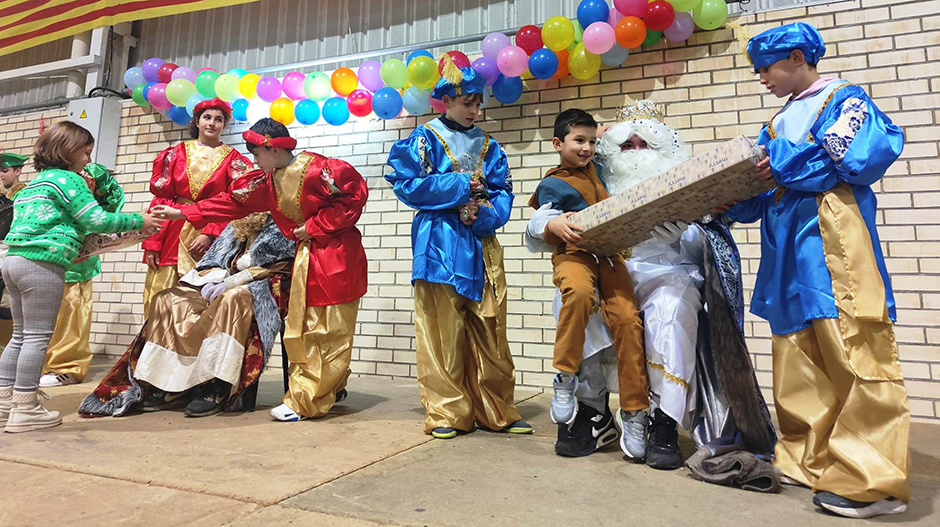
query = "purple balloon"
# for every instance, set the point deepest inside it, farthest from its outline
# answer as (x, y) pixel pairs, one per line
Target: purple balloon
(681, 29)
(184, 73)
(269, 89)
(493, 44)
(293, 84)
(150, 68)
(370, 75)
(487, 67)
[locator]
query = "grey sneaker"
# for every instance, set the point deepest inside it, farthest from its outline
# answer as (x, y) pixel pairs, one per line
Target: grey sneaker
(564, 403)
(633, 433)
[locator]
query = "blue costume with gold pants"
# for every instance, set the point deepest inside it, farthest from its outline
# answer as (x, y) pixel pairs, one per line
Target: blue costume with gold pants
(465, 369)
(824, 288)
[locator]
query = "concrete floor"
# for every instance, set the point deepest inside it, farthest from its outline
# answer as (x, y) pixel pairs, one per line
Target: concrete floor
(369, 463)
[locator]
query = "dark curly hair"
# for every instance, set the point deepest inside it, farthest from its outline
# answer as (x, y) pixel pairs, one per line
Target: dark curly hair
(194, 122)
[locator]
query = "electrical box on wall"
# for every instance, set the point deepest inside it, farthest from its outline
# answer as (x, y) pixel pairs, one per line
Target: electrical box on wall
(102, 117)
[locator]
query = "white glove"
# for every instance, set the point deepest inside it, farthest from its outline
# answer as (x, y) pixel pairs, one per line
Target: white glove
(212, 291)
(540, 219)
(669, 232)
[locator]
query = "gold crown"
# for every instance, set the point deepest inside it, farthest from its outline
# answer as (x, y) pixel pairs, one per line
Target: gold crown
(644, 109)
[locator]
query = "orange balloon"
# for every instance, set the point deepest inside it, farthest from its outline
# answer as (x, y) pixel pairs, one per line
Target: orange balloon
(630, 32)
(562, 65)
(344, 81)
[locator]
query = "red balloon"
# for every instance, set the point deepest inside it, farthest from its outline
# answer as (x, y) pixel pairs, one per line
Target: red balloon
(359, 103)
(165, 73)
(659, 15)
(460, 60)
(529, 38)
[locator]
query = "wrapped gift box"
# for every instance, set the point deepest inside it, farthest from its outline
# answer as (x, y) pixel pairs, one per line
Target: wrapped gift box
(685, 192)
(96, 244)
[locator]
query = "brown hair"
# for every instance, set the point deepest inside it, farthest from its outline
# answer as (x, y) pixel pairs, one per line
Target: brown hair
(57, 143)
(194, 122)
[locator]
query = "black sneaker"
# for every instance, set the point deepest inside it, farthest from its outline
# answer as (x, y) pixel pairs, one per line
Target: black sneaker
(212, 396)
(342, 394)
(662, 449)
(159, 400)
(590, 431)
(858, 509)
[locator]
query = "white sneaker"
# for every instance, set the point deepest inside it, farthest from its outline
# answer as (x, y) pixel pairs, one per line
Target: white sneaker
(51, 380)
(28, 413)
(283, 413)
(633, 432)
(564, 403)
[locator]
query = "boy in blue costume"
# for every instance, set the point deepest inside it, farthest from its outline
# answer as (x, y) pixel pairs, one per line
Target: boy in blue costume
(457, 177)
(823, 284)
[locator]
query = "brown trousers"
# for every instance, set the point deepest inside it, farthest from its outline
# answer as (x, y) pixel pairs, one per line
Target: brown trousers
(578, 275)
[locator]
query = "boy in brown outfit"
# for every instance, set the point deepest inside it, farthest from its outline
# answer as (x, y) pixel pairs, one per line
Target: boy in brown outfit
(580, 275)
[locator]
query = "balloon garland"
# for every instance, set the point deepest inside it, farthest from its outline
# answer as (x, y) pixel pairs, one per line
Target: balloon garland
(600, 34)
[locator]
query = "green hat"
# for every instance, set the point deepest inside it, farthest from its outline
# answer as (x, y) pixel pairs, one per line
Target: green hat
(96, 170)
(11, 160)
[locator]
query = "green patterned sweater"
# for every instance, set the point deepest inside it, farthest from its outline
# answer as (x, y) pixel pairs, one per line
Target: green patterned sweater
(110, 196)
(52, 215)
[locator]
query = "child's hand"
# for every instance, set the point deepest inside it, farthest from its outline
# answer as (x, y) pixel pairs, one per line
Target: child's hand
(301, 234)
(721, 209)
(151, 257)
(151, 224)
(167, 212)
(564, 229)
(763, 170)
(478, 189)
(469, 212)
(199, 246)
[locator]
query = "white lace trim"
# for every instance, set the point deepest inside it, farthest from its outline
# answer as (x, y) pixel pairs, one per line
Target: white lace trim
(840, 135)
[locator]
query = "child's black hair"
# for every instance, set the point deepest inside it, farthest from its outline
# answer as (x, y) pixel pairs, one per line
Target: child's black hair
(571, 118)
(268, 127)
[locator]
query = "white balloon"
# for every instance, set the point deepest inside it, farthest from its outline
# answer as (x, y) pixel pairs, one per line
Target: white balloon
(257, 110)
(487, 91)
(417, 101)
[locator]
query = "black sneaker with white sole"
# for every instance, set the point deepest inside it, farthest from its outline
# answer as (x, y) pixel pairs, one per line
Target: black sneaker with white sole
(662, 447)
(159, 400)
(590, 431)
(212, 395)
(858, 509)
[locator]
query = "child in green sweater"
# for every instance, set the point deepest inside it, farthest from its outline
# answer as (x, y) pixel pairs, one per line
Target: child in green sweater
(52, 215)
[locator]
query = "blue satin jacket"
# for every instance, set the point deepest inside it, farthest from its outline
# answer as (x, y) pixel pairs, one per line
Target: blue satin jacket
(851, 141)
(431, 172)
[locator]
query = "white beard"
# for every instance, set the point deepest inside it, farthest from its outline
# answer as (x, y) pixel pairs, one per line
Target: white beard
(631, 167)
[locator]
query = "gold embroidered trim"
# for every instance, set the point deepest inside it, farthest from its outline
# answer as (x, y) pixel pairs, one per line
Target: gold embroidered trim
(669, 377)
(453, 158)
(189, 175)
(241, 195)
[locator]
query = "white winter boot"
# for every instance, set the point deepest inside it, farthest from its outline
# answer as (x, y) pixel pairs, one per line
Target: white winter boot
(28, 413)
(6, 404)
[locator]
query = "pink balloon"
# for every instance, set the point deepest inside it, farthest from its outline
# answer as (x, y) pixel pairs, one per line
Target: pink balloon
(512, 61)
(370, 75)
(493, 44)
(599, 38)
(184, 73)
(615, 16)
(293, 85)
(269, 89)
(635, 8)
(681, 29)
(438, 105)
(157, 97)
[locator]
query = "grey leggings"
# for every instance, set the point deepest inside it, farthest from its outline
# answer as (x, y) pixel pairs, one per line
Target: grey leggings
(35, 290)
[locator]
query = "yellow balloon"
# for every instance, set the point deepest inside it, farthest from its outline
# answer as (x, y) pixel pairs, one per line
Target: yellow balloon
(557, 33)
(422, 72)
(248, 85)
(582, 63)
(282, 110)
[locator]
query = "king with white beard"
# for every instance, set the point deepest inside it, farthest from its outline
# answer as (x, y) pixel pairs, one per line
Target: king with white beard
(689, 384)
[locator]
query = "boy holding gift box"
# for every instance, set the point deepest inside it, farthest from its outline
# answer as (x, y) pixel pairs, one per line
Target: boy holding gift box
(823, 284)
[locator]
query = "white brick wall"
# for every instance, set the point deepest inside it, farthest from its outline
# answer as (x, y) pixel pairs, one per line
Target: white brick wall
(891, 48)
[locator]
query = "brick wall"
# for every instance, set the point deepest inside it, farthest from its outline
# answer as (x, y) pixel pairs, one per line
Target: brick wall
(891, 48)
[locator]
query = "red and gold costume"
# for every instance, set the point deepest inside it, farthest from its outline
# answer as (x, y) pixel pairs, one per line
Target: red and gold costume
(186, 173)
(326, 196)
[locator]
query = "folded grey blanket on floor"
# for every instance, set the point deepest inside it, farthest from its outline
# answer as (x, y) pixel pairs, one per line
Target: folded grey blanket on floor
(739, 468)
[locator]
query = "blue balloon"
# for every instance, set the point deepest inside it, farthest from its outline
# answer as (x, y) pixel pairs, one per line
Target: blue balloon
(543, 63)
(335, 111)
(507, 90)
(418, 53)
(387, 103)
(417, 101)
(590, 11)
(307, 112)
(239, 109)
(147, 89)
(179, 116)
(238, 72)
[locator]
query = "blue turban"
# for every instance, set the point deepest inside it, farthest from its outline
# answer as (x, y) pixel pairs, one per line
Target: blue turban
(470, 82)
(776, 44)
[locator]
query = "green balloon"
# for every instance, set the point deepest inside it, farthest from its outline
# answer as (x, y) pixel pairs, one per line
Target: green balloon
(578, 31)
(205, 83)
(317, 86)
(394, 73)
(683, 6)
(226, 87)
(652, 37)
(138, 95)
(711, 14)
(178, 92)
